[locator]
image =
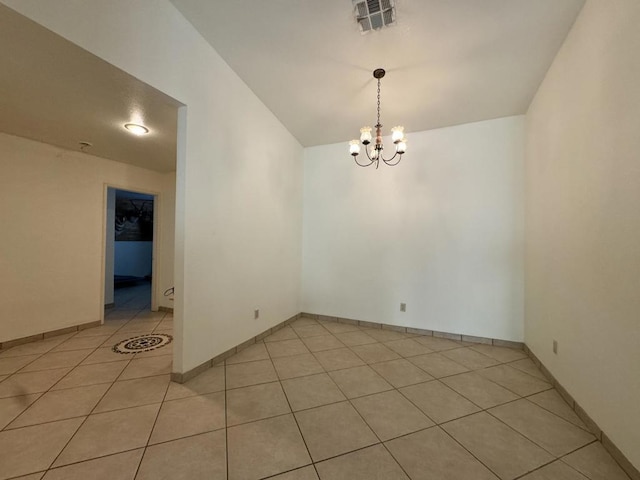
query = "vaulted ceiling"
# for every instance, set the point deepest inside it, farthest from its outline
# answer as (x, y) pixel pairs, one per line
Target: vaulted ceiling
(448, 62)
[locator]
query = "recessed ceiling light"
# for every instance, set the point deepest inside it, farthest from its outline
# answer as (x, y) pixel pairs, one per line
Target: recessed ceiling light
(136, 129)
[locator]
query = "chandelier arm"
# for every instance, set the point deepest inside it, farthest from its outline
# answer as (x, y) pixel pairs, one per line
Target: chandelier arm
(363, 164)
(389, 161)
(371, 161)
(366, 150)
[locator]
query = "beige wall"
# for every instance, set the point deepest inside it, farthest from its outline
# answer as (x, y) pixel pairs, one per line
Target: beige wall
(583, 219)
(52, 211)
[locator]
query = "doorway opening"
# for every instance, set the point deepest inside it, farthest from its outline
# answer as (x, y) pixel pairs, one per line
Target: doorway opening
(129, 253)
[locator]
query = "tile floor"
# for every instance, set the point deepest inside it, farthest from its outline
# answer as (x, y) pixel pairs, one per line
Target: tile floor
(315, 400)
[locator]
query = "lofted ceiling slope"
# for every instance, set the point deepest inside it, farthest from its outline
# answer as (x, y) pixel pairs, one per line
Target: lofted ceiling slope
(448, 62)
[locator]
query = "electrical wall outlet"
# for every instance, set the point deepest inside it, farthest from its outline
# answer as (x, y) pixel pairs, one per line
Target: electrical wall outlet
(555, 347)
(403, 307)
(256, 314)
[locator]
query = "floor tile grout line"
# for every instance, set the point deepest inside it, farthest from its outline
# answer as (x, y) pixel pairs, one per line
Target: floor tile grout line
(440, 353)
(50, 390)
(504, 386)
(540, 467)
(382, 442)
(582, 427)
(365, 421)
(324, 371)
(93, 412)
(595, 440)
(76, 463)
(553, 413)
(76, 431)
(477, 370)
(342, 401)
(397, 388)
(152, 428)
(500, 362)
(84, 421)
(313, 353)
(291, 412)
(370, 364)
(19, 477)
(270, 417)
(533, 441)
(482, 409)
(6, 427)
(414, 404)
(518, 371)
(347, 453)
(545, 379)
(471, 368)
(22, 371)
(226, 423)
(40, 355)
(527, 373)
(520, 397)
(585, 474)
(358, 450)
(269, 477)
(559, 459)
(469, 451)
(46, 422)
(458, 393)
(190, 435)
(476, 345)
(3, 352)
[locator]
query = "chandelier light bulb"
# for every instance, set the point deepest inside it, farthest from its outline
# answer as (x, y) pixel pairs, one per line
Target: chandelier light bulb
(397, 134)
(354, 147)
(365, 135)
(401, 146)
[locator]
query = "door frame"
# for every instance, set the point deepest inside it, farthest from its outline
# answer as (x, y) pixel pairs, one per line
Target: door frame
(157, 205)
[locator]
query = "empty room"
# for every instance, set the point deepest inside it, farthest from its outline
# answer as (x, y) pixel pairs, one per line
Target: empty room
(293, 240)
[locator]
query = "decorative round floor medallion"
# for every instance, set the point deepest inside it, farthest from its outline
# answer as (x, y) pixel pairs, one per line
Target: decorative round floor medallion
(143, 343)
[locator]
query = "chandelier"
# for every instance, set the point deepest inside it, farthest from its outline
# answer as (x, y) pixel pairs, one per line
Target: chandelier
(374, 154)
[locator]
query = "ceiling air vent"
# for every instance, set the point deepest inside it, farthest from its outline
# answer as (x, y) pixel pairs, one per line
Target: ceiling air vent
(374, 14)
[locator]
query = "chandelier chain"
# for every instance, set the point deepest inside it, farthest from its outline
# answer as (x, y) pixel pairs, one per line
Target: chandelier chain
(378, 101)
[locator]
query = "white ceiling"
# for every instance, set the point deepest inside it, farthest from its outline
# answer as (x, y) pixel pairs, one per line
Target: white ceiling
(55, 92)
(448, 62)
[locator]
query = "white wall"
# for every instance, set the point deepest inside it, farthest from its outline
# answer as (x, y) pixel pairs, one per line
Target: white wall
(165, 234)
(441, 232)
(52, 212)
(109, 249)
(133, 258)
(583, 221)
(239, 171)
